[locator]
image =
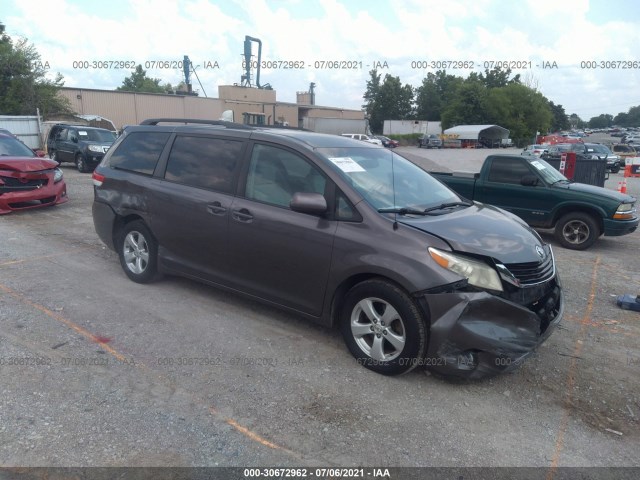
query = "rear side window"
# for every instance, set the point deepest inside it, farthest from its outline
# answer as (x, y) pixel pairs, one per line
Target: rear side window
(204, 162)
(508, 170)
(139, 152)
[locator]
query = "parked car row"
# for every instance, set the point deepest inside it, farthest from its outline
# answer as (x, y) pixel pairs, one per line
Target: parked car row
(585, 151)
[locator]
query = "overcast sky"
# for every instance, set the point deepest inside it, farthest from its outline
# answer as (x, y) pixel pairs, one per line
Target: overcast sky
(535, 33)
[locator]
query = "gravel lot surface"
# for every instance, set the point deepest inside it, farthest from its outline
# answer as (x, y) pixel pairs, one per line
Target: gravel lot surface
(100, 371)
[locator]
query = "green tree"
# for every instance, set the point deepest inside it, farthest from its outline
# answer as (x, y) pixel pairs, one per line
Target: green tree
(603, 120)
(497, 78)
(629, 119)
(529, 112)
(435, 93)
(576, 122)
(139, 82)
(389, 100)
(24, 87)
(560, 120)
(467, 106)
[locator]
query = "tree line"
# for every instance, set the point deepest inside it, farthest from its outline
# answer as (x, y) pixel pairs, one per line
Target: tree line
(492, 97)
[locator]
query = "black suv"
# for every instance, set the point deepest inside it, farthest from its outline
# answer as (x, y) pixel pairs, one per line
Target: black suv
(84, 146)
(337, 230)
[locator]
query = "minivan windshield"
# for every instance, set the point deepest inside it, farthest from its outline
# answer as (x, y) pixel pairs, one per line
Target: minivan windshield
(387, 180)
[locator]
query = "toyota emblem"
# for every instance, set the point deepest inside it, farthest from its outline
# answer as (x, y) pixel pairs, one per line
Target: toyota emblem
(540, 252)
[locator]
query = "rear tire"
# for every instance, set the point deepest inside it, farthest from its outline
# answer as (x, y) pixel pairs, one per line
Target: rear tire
(577, 230)
(383, 328)
(138, 252)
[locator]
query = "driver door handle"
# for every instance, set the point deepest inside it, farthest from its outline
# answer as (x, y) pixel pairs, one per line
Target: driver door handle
(243, 215)
(216, 208)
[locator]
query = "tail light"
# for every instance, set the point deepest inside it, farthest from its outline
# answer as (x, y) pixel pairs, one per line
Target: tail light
(97, 179)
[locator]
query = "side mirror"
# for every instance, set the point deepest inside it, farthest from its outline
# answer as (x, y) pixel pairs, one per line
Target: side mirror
(529, 181)
(310, 203)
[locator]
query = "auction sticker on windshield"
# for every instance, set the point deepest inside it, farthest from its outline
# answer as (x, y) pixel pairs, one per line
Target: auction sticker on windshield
(346, 164)
(538, 165)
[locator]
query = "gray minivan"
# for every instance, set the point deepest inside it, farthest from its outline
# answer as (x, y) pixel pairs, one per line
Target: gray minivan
(338, 231)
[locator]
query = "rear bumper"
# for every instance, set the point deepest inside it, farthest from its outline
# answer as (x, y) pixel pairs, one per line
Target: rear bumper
(103, 221)
(476, 334)
(615, 228)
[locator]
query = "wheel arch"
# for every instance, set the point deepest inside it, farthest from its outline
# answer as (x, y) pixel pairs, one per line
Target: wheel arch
(120, 222)
(347, 284)
(596, 214)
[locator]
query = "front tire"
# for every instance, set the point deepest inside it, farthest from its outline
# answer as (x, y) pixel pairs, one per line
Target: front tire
(577, 231)
(383, 328)
(138, 252)
(81, 164)
(54, 156)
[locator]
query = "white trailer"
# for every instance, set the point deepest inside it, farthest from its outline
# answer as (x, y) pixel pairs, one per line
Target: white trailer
(336, 126)
(406, 127)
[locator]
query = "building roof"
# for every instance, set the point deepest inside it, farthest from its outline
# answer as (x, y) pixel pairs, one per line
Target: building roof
(472, 132)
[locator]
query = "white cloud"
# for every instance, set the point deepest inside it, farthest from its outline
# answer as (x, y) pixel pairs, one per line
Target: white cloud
(395, 31)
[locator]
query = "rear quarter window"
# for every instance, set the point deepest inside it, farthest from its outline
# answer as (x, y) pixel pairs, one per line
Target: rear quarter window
(139, 152)
(204, 162)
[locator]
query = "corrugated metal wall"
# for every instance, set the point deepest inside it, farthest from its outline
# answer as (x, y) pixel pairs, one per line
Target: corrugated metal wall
(128, 108)
(26, 128)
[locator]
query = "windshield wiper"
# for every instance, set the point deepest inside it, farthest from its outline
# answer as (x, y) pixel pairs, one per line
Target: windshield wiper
(426, 211)
(404, 211)
(448, 205)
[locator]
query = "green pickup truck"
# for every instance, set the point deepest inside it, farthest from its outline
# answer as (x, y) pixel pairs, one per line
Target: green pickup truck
(535, 191)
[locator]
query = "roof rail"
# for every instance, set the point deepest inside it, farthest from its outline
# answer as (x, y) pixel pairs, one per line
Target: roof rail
(155, 121)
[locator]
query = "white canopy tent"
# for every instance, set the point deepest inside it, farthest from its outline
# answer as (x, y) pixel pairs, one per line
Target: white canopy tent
(490, 135)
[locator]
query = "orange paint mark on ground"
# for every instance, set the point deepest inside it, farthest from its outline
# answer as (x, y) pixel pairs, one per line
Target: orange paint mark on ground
(56, 316)
(571, 376)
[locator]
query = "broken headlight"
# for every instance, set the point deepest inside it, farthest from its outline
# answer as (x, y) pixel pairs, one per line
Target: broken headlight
(477, 273)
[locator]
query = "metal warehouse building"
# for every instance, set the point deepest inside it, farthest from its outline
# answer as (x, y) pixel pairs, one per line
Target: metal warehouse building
(129, 108)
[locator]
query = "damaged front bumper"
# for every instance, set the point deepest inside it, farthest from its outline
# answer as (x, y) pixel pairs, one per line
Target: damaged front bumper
(24, 190)
(474, 334)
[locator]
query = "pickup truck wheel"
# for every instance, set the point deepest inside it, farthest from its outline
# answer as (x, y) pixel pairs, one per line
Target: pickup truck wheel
(383, 328)
(577, 231)
(615, 169)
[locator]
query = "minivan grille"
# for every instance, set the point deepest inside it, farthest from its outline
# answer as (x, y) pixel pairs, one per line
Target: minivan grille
(533, 272)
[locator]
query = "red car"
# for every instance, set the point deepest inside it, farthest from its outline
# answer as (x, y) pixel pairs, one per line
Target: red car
(26, 180)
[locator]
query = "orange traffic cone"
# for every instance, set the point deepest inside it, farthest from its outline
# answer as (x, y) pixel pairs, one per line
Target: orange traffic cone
(624, 186)
(619, 187)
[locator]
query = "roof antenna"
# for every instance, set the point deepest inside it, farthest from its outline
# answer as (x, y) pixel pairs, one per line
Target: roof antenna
(393, 186)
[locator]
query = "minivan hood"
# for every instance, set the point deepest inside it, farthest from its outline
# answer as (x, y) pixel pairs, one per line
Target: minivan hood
(482, 230)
